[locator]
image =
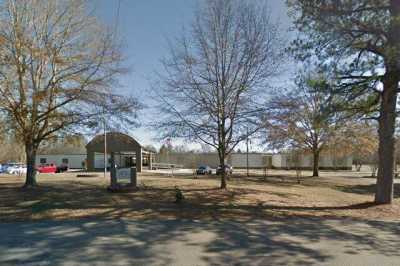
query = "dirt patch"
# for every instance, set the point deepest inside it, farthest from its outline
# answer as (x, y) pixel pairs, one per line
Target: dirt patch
(66, 196)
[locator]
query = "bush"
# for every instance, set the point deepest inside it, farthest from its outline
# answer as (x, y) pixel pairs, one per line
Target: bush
(178, 195)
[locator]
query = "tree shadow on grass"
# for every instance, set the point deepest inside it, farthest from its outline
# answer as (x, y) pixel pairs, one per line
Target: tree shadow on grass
(93, 200)
(367, 189)
(284, 181)
(357, 206)
(51, 201)
(218, 240)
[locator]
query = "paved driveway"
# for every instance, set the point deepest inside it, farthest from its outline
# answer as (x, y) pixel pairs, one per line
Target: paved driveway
(291, 241)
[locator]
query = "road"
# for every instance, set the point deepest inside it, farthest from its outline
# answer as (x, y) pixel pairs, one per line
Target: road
(290, 241)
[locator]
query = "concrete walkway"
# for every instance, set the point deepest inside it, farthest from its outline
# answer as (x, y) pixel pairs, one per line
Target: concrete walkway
(291, 241)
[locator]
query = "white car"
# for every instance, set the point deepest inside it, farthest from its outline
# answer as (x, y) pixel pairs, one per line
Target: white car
(16, 169)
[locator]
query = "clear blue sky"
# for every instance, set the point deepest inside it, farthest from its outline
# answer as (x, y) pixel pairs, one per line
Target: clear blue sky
(144, 26)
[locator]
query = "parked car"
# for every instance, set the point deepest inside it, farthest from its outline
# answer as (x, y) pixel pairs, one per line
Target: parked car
(204, 170)
(16, 169)
(47, 168)
(4, 168)
(227, 168)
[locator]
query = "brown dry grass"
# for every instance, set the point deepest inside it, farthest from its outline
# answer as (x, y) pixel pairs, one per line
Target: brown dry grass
(65, 196)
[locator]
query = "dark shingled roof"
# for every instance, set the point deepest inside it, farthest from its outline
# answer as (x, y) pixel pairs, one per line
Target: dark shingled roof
(116, 142)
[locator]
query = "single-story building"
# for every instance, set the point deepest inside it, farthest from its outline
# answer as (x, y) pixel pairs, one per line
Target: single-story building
(74, 161)
(255, 160)
(194, 160)
(305, 161)
(126, 150)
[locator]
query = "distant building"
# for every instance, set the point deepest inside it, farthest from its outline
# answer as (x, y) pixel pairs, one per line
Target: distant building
(326, 162)
(126, 150)
(74, 161)
(255, 160)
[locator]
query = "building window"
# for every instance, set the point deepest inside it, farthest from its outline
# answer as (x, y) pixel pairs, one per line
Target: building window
(43, 160)
(65, 160)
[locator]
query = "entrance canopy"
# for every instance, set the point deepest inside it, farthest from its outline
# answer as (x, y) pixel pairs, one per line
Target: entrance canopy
(117, 144)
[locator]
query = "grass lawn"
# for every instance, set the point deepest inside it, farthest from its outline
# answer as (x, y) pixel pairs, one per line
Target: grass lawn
(66, 196)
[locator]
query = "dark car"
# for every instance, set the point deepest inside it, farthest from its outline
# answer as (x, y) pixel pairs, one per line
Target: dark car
(62, 168)
(204, 170)
(228, 169)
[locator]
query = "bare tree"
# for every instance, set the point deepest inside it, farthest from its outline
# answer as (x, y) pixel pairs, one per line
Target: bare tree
(56, 63)
(11, 149)
(359, 138)
(216, 74)
(303, 118)
(68, 144)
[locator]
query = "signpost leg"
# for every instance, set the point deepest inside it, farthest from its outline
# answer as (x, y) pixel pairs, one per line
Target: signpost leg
(133, 177)
(113, 172)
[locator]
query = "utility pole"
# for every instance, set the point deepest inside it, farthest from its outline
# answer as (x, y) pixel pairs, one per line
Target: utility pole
(105, 147)
(104, 117)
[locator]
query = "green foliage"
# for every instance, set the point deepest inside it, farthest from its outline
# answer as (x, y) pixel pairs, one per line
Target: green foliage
(358, 43)
(350, 40)
(178, 195)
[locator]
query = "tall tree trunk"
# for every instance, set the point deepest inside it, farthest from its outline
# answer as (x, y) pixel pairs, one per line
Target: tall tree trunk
(315, 162)
(223, 174)
(387, 118)
(223, 180)
(384, 184)
(30, 150)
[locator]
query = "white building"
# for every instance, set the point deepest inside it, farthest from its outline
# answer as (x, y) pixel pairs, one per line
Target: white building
(127, 152)
(74, 161)
(326, 161)
(256, 160)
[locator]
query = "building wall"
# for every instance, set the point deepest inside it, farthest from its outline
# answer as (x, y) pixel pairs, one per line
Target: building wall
(189, 160)
(277, 161)
(120, 160)
(287, 161)
(256, 160)
(99, 160)
(194, 160)
(74, 160)
(326, 161)
(331, 161)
